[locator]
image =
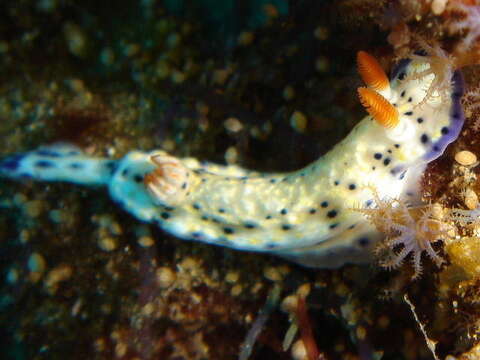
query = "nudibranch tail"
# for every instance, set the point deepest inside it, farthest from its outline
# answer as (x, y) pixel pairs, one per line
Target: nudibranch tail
(371, 72)
(378, 107)
(58, 162)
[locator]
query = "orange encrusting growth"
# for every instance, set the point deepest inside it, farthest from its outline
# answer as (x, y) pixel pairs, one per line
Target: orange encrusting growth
(371, 71)
(378, 107)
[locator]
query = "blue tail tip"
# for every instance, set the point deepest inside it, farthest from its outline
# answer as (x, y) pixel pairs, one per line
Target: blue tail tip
(11, 163)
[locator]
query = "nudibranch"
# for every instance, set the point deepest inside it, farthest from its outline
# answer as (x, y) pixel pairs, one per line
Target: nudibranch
(307, 216)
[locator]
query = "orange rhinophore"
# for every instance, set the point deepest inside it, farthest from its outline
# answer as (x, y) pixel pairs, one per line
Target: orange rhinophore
(378, 107)
(371, 72)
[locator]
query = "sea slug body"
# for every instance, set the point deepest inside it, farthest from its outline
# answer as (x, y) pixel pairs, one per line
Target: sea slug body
(307, 216)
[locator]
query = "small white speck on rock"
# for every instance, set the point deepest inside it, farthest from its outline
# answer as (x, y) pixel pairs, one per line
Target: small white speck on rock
(299, 352)
(165, 277)
(233, 125)
(466, 158)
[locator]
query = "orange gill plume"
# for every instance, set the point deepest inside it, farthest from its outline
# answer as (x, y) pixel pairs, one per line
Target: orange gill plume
(371, 72)
(378, 107)
(168, 183)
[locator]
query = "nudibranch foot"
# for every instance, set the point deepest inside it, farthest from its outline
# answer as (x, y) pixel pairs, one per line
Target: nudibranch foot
(355, 246)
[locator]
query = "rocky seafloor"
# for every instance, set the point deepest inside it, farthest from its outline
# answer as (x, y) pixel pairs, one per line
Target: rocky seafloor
(268, 85)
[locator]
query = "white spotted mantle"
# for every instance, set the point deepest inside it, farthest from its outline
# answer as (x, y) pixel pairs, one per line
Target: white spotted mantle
(306, 216)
